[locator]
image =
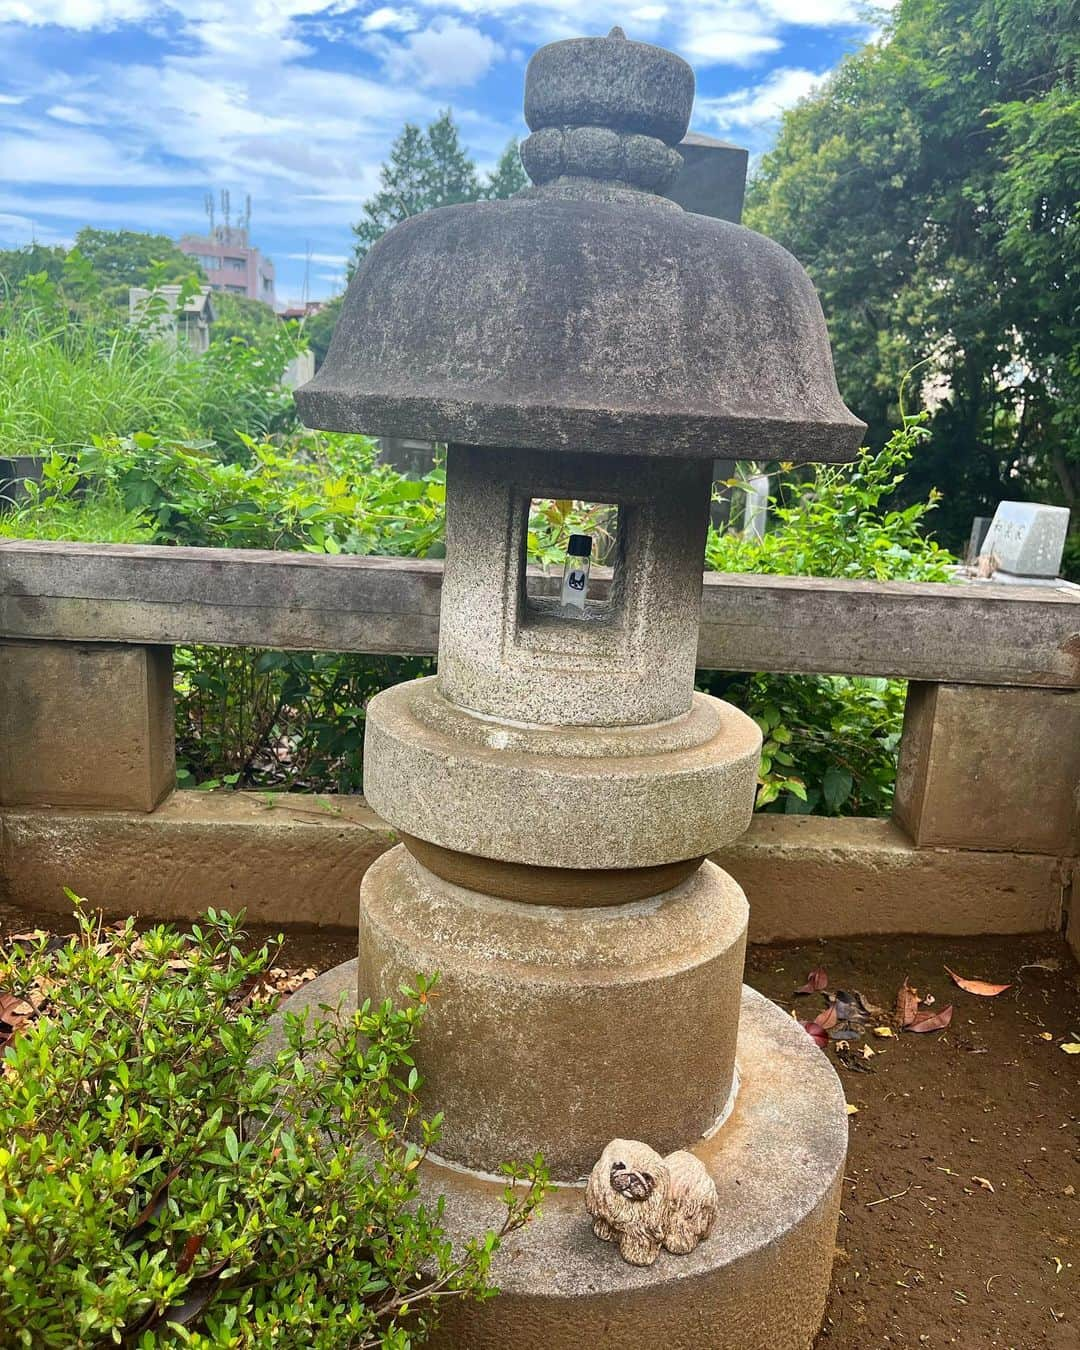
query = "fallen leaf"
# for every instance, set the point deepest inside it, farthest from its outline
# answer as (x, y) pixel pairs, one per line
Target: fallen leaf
(868, 1052)
(936, 1021)
(986, 1185)
(1057, 1262)
(980, 987)
(850, 1008)
(188, 1255)
(817, 1034)
(1071, 1047)
(13, 1006)
(826, 1020)
(815, 981)
(907, 1003)
(1046, 1035)
(1069, 1190)
(884, 1031)
(852, 1110)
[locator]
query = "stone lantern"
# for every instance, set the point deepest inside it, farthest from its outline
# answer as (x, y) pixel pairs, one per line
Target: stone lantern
(559, 785)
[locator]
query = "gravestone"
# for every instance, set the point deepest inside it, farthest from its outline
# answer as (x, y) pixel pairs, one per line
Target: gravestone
(712, 181)
(1026, 539)
(979, 526)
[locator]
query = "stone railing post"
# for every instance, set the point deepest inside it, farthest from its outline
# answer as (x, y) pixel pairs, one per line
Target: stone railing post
(86, 724)
(990, 767)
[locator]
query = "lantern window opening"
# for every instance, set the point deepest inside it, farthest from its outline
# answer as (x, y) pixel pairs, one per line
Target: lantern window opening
(563, 520)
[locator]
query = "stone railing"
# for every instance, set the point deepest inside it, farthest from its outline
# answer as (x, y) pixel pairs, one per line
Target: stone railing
(984, 832)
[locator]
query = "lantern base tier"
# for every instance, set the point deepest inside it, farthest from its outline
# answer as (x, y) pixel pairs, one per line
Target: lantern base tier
(575, 797)
(558, 1028)
(759, 1282)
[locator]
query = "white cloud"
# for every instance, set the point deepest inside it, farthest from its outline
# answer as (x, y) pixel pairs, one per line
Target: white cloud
(78, 14)
(63, 112)
(13, 99)
(324, 259)
(760, 106)
(79, 159)
(446, 53)
(401, 20)
(726, 32)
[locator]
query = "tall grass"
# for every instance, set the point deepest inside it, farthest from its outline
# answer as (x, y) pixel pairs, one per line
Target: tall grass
(63, 383)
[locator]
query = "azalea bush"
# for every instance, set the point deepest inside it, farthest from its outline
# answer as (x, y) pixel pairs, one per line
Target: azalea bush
(166, 1179)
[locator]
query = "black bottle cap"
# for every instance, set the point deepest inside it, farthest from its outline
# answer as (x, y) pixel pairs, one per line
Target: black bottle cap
(580, 546)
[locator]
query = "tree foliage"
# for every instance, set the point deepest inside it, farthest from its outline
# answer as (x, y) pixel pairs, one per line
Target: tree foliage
(931, 188)
(428, 169)
(123, 258)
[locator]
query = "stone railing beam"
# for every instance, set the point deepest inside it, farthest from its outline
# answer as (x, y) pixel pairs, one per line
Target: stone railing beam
(986, 635)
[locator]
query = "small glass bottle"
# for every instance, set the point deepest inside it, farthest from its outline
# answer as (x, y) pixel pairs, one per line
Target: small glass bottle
(575, 581)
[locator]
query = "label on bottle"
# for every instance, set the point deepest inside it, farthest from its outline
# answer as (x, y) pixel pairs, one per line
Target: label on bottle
(574, 585)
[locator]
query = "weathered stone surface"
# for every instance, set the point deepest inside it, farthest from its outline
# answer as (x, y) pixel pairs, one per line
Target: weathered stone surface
(507, 653)
(595, 152)
(297, 601)
(590, 887)
(609, 82)
(758, 1283)
(300, 863)
(1027, 538)
(579, 797)
(809, 877)
(1072, 927)
(990, 768)
(559, 1028)
(587, 325)
(85, 725)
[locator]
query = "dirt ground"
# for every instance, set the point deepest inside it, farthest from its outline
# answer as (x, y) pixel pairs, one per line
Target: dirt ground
(961, 1213)
(928, 1254)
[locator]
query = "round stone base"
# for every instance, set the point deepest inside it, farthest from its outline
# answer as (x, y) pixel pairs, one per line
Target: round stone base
(565, 797)
(759, 1282)
(558, 1028)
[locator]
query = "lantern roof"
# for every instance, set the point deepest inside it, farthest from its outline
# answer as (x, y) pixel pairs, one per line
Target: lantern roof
(589, 312)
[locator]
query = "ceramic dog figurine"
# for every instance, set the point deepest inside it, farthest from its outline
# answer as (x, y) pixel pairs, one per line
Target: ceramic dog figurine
(645, 1202)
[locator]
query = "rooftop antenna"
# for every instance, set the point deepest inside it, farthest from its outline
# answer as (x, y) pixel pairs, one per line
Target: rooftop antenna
(246, 218)
(225, 212)
(208, 207)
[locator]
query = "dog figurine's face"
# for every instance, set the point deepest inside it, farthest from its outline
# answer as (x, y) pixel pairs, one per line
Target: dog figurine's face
(631, 1183)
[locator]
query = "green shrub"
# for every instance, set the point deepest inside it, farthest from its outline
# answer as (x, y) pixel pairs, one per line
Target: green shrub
(837, 522)
(286, 720)
(830, 742)
(157, 1189)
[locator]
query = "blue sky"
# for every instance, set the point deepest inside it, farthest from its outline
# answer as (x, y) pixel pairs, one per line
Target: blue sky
(124, 113)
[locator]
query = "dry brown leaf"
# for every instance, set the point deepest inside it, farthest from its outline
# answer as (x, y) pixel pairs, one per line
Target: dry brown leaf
(868, 1052)
(852, 1110)
(980, 987)
(1046, 1035)
(930, 1021)
(826, 1020)
(907, 1003)
(815, 981)
(1071, 1047)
